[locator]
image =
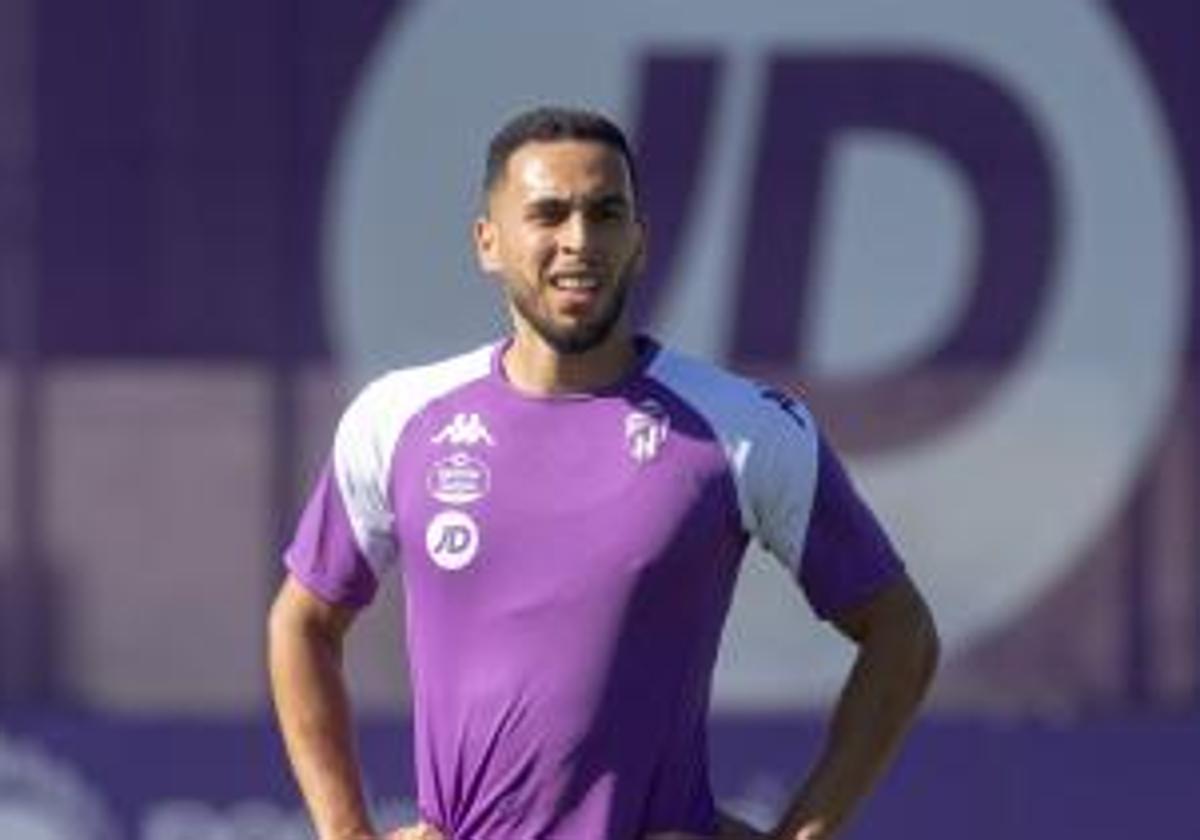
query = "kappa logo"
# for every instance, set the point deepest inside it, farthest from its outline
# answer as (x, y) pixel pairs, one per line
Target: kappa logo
(646, 429)
(466, 429)
(452, 540)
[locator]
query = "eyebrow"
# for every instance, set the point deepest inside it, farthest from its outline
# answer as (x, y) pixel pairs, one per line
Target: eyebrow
(610, 200)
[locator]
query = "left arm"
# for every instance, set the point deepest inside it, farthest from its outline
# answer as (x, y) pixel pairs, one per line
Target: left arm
(897, 655)
(809, 515)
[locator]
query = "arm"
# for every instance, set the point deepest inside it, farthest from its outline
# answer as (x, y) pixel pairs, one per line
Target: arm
(305, 637)
(898, 651)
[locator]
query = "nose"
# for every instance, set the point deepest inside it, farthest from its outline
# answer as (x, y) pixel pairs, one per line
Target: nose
(575, 235)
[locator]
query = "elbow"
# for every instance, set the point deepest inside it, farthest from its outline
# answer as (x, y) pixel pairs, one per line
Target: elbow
(916, 635)
(896, 632)
(910, 635)
(928, 646)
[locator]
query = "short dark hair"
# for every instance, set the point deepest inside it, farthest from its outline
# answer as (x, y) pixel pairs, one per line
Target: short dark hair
(547, 124)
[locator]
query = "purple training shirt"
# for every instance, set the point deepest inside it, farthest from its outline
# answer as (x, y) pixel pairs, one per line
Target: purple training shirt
(568, 563)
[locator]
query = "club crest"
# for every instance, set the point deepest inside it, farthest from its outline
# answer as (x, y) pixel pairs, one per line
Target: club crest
(646, 429)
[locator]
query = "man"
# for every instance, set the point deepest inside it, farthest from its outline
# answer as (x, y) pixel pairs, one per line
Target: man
(568, 510)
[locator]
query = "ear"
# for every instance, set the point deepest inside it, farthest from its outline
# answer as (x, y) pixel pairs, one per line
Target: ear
(487, 245)
(639, 263)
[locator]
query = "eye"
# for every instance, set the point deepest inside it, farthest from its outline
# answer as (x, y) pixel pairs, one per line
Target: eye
(610, 211)
(548, 213)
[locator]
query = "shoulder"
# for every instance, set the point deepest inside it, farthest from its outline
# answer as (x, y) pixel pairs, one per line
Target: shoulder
(389, 401)
(428, 381)
(770, 440)
(733, 404)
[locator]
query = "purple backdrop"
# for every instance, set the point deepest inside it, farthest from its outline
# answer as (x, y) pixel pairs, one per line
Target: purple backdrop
(159, 779)
(165, 206)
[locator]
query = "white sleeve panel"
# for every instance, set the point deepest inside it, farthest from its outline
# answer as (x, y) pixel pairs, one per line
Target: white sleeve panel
(769, 440)
(782, 479)
(366, 438)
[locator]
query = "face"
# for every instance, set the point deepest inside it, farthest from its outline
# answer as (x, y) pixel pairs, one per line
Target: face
(563, 236)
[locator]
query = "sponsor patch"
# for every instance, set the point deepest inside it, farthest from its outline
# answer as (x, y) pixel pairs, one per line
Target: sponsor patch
(458, 479)
(452, 540)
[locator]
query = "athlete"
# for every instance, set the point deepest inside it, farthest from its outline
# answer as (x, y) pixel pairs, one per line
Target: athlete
(567, 509)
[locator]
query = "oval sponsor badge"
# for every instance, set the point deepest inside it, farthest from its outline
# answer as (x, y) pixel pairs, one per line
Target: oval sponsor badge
(458, 479)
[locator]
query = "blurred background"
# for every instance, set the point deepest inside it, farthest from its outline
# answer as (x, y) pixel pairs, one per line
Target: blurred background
(965, 231)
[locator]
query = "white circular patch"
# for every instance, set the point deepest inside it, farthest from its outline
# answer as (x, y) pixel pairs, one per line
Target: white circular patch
(452, 539)
(1068, 431)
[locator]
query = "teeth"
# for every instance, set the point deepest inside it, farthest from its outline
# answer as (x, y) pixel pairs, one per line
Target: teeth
(575, 282)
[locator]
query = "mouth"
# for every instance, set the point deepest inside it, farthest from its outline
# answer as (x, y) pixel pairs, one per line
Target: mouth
(584, 283)
(576, 294)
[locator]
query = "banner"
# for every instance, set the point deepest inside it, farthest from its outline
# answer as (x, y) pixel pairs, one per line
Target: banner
(965, 233)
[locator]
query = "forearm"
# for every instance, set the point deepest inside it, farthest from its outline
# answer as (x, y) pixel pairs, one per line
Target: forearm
(877, 704)
(313, 711)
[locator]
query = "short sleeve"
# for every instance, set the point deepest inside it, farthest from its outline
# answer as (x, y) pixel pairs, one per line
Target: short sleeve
(847, 557)
(324, 554)
(780, 474)
(809, 516)
(345, 537)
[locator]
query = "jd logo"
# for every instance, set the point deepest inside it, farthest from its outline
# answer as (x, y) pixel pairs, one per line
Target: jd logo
(873, 198)
(452, 540)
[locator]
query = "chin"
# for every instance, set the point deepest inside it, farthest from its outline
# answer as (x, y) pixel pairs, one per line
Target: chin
(575, 344)
(571, 337)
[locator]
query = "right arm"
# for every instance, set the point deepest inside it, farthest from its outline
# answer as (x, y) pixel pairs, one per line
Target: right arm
(343, 540)
(304, 646)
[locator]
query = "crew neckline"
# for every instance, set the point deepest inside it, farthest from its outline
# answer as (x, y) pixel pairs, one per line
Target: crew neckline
(645, 347)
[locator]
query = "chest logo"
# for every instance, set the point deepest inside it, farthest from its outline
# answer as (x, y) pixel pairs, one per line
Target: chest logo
(646, 429)
(459, 479)
(452, 540)
(466, 429)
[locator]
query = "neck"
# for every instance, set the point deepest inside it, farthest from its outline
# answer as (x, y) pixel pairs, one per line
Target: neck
(535, 367)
